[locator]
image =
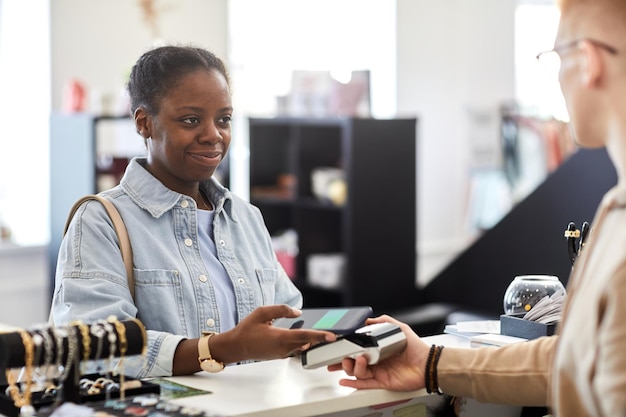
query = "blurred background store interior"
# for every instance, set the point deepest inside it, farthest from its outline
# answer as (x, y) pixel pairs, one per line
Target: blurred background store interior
(459, 66)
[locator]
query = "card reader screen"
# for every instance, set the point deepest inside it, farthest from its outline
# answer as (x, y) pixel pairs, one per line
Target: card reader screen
(330, 319)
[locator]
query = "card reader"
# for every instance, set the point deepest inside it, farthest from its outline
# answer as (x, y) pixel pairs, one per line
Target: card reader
(376, 341)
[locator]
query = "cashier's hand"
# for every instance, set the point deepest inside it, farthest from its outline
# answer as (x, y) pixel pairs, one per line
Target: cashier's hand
(402, 372)
(256, 338)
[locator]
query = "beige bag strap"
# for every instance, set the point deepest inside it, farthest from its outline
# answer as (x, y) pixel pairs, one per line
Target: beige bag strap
(120, 231)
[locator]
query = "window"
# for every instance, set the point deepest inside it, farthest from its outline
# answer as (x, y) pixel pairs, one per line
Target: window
(536, 25)
(338, 36)
(24, 112)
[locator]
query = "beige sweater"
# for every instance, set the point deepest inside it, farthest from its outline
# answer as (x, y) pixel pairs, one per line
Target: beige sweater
(580, 372)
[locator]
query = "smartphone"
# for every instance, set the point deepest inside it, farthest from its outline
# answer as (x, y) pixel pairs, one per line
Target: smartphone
(339, 320)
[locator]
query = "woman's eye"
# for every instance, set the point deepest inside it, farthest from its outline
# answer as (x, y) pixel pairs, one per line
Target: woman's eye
(191, 120)
(226, 119)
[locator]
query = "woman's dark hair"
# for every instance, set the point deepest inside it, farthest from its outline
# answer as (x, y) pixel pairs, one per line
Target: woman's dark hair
(157, 71)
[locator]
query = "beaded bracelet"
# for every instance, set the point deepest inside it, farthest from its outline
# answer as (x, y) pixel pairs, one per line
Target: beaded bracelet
(435, 380)
(427, 369)
(430, 373)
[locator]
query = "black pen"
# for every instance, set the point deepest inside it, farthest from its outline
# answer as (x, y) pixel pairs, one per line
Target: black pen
(571, 234)
(584, 231)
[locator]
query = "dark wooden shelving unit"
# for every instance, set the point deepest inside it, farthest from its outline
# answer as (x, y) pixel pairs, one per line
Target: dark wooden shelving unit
(376, 227)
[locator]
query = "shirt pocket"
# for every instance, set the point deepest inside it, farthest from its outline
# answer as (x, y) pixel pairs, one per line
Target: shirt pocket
(267, 280)
(159, 300)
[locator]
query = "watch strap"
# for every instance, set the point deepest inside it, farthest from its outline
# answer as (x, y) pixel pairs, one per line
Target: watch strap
(204, 353)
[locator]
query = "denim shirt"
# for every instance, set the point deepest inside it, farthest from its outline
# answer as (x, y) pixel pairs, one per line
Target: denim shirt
(174, 296)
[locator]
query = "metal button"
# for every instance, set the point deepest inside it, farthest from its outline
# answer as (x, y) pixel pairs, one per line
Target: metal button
(202, 278)
(222, 243)
(188, 242)
(184, 203)
(242, 281)
(210, 323)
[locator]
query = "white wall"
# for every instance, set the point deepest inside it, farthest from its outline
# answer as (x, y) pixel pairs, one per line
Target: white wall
(454, 56)
(98, 41)
(24, 299)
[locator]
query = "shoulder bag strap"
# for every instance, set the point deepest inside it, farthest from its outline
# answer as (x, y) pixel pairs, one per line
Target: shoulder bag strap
(120, 231)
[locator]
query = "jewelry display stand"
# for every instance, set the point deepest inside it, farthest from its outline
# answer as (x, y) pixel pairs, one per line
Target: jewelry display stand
(68, 348)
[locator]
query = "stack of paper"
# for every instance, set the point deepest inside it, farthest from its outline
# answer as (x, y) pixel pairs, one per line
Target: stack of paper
(494, 340)
(482, 333)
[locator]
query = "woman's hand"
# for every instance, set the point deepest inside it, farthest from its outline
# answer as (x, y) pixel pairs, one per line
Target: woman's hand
(255, 338)
(402, 372)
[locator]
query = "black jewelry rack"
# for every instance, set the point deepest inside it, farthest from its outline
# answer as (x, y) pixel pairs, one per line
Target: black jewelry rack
(129, 339)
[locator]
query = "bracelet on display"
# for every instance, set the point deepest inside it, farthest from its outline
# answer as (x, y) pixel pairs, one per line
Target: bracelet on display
(23, 400)
(98, 332)
(112, 339)
(52, 359)
(60, 335)
(144, 338)
(144, 335)
(120, 328)
(85, 339)
(38, 346)
(72, 354)
(42, 370)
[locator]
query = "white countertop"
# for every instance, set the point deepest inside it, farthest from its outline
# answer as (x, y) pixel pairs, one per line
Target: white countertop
(282, 388)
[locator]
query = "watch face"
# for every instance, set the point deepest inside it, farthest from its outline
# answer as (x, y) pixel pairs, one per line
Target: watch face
(211, 365)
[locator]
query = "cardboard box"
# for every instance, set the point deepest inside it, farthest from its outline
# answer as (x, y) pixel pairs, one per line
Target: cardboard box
(515, 325)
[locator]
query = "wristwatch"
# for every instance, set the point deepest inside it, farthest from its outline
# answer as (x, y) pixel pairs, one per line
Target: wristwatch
(207, 363)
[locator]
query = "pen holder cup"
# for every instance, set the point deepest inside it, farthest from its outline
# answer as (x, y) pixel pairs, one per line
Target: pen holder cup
(526, 290)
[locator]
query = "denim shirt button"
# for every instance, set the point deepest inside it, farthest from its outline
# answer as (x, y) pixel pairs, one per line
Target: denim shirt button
(222, 243)
(242, 281)
(202, 278)
(188, 242)
(184, 203)
(210, 323)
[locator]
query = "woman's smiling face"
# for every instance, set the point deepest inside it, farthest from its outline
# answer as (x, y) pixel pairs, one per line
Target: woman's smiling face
(191, 132)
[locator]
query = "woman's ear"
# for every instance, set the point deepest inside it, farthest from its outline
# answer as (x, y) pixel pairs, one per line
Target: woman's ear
(591, 64)
(142, 122)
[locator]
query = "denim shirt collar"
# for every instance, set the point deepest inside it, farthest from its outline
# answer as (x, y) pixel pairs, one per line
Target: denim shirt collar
(154, 197)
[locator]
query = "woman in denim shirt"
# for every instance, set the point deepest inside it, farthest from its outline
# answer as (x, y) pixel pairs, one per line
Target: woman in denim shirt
(203, 260)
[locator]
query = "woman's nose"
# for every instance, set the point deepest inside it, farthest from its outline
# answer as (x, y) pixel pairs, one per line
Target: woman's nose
(211, 134)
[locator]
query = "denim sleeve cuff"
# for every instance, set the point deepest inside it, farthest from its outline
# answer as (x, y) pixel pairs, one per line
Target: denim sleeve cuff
(161, 354)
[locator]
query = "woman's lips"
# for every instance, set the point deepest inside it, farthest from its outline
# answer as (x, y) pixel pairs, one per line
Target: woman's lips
(209, 158)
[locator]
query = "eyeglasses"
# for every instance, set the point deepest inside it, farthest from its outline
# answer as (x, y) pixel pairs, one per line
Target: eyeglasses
(552, 58)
